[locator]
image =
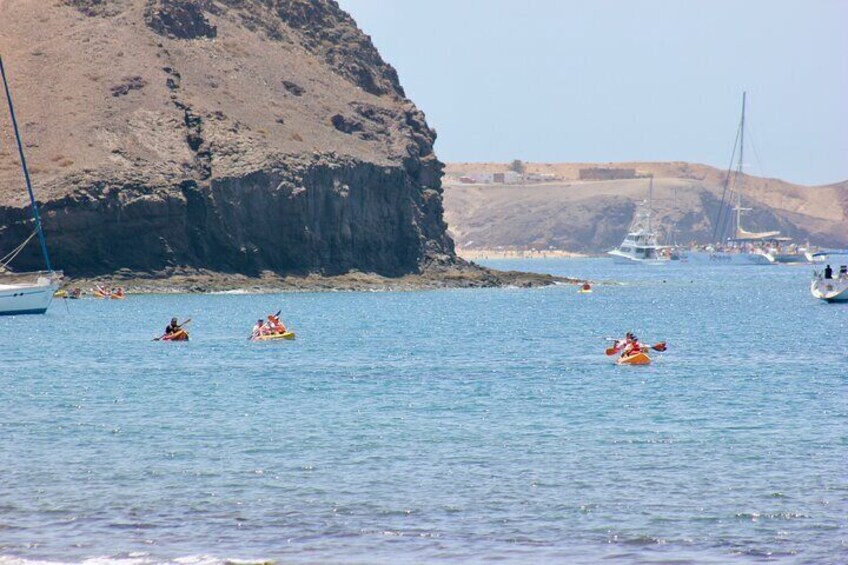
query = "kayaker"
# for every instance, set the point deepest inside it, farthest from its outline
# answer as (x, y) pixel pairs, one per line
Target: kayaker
(632, 347)
(275, 325)
(173, 327)
(261, 328)
(587, 286)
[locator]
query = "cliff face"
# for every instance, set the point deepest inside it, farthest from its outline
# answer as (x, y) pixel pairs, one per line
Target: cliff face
(232, 135)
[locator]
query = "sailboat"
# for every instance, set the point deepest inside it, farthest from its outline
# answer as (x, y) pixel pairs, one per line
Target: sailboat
(743, 247)
(26, 293)
(640, 244)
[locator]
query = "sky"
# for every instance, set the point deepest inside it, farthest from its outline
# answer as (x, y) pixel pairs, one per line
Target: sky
(625, 80)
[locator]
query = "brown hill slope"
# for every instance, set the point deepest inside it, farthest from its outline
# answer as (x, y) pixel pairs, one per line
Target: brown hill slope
(593, 216)
(234, 135)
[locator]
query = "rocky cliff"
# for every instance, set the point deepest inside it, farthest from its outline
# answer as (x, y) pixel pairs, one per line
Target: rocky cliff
(231, 135)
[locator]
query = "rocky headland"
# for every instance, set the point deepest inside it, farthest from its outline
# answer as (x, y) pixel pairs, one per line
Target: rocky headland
(231, 139)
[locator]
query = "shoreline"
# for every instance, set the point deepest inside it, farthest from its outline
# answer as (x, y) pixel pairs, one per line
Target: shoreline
(484, 254)
(199, 281)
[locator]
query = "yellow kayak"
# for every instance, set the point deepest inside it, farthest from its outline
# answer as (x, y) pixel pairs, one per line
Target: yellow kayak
(640, 358)
(269, 337)
(584, 291)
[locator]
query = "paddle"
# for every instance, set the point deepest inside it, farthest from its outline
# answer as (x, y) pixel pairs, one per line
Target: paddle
(179, 327)
(661, 346)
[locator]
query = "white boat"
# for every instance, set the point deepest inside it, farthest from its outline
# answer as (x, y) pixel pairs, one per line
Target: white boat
(825, 286)
(25, 293)
(742, 247)
(640, 244)
(821, 256)
(27, 297)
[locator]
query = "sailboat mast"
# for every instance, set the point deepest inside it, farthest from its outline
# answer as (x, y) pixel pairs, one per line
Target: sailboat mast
(36, 216)
(650, 202)
(739, 178)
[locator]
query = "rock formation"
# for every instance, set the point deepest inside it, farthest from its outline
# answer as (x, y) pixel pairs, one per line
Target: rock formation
(231, 135)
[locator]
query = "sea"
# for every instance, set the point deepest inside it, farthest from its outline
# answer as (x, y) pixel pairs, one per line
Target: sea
(442, 426)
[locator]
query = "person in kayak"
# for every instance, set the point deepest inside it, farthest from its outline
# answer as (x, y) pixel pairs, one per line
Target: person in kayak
(632, 346)
(275, 325)
(173, 327)
(260, 328)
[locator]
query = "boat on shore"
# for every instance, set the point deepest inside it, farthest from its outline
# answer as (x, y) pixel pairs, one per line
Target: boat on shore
(640, 245)
(25, 293)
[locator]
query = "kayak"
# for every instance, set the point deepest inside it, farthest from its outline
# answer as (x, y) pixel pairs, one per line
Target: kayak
(179, 335)
(270, 337)
(640, 358)
(584, 291)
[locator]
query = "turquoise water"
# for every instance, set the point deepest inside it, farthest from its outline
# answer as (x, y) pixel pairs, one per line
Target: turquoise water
(453, 426)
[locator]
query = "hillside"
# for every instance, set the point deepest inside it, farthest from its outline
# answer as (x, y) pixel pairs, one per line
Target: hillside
(231, 135)
(593, 216)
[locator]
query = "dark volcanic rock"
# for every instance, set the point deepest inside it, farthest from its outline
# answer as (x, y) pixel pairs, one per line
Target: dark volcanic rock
(293, 88)
(180, 19)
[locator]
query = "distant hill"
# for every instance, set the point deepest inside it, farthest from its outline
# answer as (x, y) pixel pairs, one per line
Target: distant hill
(592, 216)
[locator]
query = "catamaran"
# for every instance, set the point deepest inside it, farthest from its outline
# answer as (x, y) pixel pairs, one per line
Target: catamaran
(26, 293)
(743, 247)
(640, 244)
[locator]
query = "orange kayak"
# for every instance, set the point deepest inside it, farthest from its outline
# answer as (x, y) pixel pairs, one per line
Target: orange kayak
(179, 335)
(640, 358)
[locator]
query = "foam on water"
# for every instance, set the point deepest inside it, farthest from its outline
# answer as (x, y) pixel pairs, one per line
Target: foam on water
(457, 426)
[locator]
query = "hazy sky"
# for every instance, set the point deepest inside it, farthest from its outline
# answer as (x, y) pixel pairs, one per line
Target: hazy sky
(640, 80)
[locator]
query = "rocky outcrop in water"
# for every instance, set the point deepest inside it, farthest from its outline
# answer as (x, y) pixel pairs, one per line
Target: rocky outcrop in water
(236, 136)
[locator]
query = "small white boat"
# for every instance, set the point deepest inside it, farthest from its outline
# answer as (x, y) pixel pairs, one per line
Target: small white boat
(822, 255)
(18, 297)
(827, 286)
(640, 243)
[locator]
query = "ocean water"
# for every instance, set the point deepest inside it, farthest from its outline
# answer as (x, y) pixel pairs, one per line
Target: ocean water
(456, 426)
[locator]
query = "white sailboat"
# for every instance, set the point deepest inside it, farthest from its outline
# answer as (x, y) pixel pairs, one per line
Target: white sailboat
(640, 244)
(26, 293)
(743, 247)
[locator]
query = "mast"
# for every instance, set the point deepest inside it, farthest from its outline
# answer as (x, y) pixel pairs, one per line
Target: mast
(739, 176)
(36, 216)
(650, 202)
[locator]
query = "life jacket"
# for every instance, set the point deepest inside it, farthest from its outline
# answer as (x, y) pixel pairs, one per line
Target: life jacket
(275, 324)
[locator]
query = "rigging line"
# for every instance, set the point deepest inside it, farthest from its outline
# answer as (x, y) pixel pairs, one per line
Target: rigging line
(724, 190)
(756, 153)
(16, 251)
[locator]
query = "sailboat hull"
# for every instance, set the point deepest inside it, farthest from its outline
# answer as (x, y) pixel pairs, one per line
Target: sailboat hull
(17, 299)
(830, 290)
(623, 258)
(724, 258)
